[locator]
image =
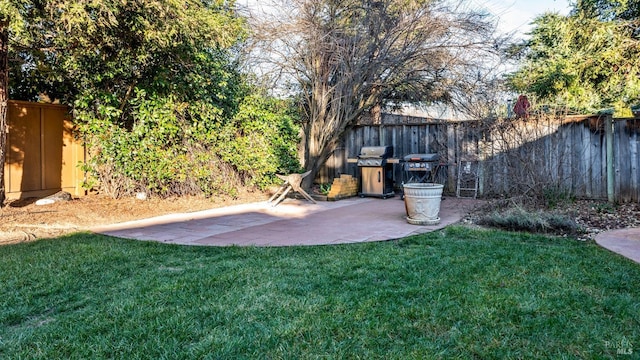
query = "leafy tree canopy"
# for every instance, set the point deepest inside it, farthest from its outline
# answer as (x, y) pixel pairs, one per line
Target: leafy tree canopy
(609, 9)
(585, 61)
(155, 91)
(61, 49)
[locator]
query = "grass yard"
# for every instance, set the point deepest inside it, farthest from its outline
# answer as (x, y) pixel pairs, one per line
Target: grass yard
(457, 293)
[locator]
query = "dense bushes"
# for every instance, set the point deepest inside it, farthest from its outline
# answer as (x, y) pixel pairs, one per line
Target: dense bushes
(261, 141)
(179, 148)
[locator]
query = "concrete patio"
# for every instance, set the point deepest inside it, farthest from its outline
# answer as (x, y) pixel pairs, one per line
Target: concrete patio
(293, 222)
(299, 222)
(625, 242)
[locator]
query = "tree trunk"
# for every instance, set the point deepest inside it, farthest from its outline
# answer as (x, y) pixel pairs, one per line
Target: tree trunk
(4, 97)
(314, 164)
(317, 152)
(311, 159)
(376, 113)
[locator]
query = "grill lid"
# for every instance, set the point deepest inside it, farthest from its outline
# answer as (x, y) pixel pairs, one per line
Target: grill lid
(421, 157)
(382, 152)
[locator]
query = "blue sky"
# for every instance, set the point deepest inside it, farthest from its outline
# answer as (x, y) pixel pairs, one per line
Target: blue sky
(516, 15)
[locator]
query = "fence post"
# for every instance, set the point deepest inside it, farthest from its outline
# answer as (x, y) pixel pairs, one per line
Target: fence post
(4, 98)
(608, 131)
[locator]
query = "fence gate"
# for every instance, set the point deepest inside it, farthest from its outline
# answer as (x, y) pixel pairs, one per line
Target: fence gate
(43, 154)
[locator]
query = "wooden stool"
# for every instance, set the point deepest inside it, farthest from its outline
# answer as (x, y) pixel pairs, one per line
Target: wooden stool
(291, 182)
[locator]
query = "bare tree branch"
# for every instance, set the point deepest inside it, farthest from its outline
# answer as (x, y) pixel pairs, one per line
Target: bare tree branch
(344, 58)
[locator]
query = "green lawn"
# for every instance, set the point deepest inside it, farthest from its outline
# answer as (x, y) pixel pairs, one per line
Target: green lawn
(457, 293)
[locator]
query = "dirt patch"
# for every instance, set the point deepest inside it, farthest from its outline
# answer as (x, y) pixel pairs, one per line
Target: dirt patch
(23, 220)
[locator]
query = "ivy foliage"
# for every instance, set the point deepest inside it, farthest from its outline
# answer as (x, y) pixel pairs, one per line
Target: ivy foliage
(155, 91)
(585, 61)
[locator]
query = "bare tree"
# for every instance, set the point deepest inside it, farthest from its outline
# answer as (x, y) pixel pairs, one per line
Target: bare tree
(4, 97)
(345, 58)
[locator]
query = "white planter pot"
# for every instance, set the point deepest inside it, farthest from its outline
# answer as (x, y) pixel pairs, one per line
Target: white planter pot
(422, 202)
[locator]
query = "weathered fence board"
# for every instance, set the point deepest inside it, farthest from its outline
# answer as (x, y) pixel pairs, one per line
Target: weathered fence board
(634, 143)
(557, 155)
(626, 159)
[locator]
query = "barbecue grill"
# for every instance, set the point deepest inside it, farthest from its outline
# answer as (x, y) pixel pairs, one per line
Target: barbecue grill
(421, 167)
(376, 171)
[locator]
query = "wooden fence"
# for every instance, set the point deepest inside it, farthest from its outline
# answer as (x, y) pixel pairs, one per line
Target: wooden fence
(42, 154)
(554, 156)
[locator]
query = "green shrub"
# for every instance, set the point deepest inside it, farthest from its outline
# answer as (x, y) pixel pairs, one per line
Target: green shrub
(261, 141)
(170, 148)
(325, 189)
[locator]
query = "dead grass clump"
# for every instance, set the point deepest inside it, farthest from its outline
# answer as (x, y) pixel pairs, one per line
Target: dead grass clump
(535, 221)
